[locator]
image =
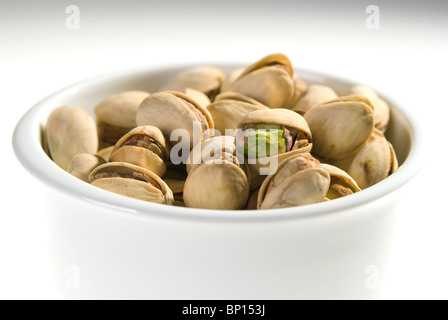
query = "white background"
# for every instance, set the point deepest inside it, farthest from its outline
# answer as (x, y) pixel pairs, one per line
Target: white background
(406, 56)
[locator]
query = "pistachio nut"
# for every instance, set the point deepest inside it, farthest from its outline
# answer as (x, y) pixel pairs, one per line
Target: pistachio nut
(116, 115)
(269, 136)
(375, 161)
(216, 179)
(316, 95)
(340, 127)
(341, 183)
(216, 184)
(169, 111)
(269, 81)
(131, 181)
(83, 164)
(229, 108)
(381, 107)
(206, 79)
(70, 131)
(299, 180)
(144, 146)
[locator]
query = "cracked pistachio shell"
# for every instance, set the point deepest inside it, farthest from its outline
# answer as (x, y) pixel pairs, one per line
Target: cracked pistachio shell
(316, 95)
(169, 111)
(259, 167)
(340, 127)
(70, 131)
(269, 81)
(131, 181)
(216, 184)
(381, 107)
(375, 161)
(299, 180)
(206, 79)
(83, 164)
(229, 108)
(341, 183)
(116, 114)
(151, 155)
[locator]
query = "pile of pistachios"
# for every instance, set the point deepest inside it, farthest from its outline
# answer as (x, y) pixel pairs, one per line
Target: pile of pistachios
(256, 138)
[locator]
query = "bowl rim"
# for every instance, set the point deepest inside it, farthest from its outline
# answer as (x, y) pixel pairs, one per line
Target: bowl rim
(28, 150)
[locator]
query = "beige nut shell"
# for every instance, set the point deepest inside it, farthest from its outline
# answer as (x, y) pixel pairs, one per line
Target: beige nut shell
(169, 111)
(216, 184)
(340, 127)
(70, 131)
(299, 180)
(132, 188)
(141, 156)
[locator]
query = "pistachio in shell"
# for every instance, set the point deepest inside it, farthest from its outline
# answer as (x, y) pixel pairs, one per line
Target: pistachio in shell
(170, 111)
(115, 115)
(144, 146)
(381, 107)
(216, 179)
(269, 81)
(316, 95)
(205, 79)
(374, 162)
(340, 127)
(229, 108)
(83, 164)
(70, 131)
(299, 180)
(269, 136)
(216, 184)
(131, 181)
(341, 183)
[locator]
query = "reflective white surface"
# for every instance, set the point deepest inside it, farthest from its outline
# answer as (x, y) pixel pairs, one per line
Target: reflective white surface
(406, 56)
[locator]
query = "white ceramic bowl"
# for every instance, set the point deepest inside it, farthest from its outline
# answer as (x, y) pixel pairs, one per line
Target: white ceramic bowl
(110, 246)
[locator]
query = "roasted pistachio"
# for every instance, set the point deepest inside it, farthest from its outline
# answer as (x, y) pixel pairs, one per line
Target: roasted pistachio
(169, 111)
(316, 95)
(299, 180)
(340, 127)
(216, 179)
(269, 81)
(269, 136)
(144, 146)
(70, 131)
(229, 108)
(206, 79)
(381, 107)
(116, 115)
(131, 181)
(341, 183)
(375, 161)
